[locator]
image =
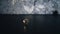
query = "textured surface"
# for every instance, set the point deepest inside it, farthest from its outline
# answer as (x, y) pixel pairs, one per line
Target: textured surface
(29, 6)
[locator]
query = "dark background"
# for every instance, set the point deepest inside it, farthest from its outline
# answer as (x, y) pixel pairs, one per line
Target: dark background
(12, 23)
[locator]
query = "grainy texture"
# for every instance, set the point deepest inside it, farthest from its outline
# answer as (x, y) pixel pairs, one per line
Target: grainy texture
(29, 6)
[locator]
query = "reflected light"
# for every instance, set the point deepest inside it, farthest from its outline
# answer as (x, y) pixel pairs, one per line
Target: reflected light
(24, 27)
(25, 21)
